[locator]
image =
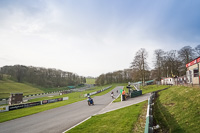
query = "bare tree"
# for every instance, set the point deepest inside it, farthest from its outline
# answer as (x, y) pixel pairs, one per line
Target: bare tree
(186, 54)
(140, 63)
(159, 53)
(197, 50)
(173, 63)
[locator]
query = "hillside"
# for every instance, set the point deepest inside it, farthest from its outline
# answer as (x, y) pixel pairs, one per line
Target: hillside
(177, 109)
(90, 80)
(9, 86)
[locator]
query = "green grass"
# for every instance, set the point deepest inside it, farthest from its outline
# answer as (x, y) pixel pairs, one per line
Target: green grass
(177, 109)
(73, 97)
(118, 121)
(45, 90)
(90, 80)
(77, 95)
(8, 86)
(151, 88)
(139, 126)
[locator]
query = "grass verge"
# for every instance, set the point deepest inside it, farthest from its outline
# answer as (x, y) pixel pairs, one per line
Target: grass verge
(139, 126)
(118, 121)
(177, 109)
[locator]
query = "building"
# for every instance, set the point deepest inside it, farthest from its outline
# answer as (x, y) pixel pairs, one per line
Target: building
(192, 74)
(168, 81)
(15, 98)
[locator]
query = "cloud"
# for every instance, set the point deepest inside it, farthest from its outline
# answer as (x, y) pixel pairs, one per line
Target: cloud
(93, 37)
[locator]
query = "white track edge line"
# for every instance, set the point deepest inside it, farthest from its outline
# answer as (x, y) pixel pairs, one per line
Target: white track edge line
(77, 124)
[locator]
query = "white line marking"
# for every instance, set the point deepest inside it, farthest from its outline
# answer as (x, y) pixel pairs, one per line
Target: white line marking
(77, 124)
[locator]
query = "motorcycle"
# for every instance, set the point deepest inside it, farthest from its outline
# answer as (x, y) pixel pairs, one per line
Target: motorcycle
(90, 101)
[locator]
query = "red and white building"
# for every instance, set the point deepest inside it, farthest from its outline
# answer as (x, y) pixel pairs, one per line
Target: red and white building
(192, 74)
(167, 81)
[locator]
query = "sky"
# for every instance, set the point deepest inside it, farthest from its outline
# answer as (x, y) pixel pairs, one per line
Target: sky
(92, 37)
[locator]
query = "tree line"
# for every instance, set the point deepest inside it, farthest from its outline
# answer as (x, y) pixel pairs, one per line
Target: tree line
(166, 64)
(41, 76)
(114, 77)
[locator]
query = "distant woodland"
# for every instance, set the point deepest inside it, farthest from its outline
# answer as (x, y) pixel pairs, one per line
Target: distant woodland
(41, 76)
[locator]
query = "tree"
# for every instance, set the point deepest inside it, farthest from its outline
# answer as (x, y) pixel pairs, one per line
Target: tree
(100, 80)
(172, 63)
(41, 76)
(158, 63)
(139, 63)
(186, 55)
(197, 50)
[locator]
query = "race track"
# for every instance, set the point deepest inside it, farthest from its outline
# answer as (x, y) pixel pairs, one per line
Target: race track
(59, 119)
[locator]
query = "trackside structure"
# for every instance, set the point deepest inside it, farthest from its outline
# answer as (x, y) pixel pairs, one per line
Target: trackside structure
(192, 74)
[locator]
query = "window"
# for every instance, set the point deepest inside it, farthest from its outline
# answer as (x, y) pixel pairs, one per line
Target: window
(196, 72)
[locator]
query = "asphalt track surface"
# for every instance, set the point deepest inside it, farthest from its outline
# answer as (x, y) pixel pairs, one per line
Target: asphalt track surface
(59, 119)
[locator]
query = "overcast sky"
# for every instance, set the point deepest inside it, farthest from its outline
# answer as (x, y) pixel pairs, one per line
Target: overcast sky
(91, 37)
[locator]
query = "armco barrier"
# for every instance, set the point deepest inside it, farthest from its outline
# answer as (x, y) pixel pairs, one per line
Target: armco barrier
(149, 116)
(44, 93)
(93, 93)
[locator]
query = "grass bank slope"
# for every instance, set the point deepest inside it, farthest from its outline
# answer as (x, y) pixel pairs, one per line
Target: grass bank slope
(8, 86)
(90, 80)
(177, 110)
(151, 88)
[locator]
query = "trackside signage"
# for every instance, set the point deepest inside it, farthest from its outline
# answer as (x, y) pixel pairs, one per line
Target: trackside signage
(14, 107)
(26, 105)
(193, 62)
(3, 108)
(65, 98)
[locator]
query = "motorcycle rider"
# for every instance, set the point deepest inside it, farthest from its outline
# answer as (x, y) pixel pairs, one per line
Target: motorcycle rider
(90, 100)
(112, 94)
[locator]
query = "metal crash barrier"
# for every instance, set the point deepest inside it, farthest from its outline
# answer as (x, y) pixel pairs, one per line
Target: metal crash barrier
(149, 116)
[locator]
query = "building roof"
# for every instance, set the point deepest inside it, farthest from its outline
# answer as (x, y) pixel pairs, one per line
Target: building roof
(195, 61)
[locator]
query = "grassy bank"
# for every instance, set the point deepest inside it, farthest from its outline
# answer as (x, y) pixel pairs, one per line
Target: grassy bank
(177, 109)
(8, 86)
(73, 97)
(90, 80)
(118, 121)
(151, 88)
